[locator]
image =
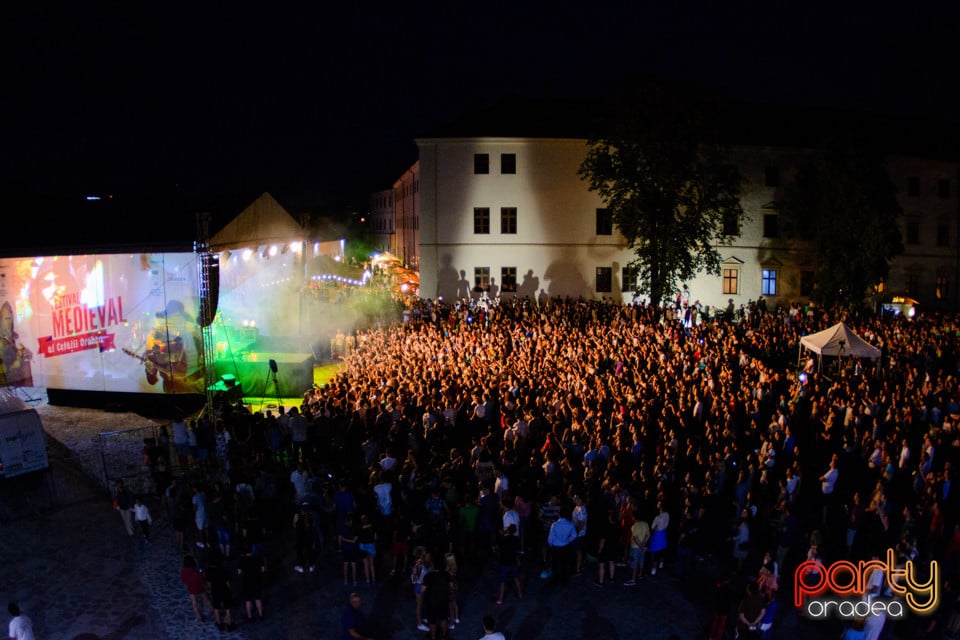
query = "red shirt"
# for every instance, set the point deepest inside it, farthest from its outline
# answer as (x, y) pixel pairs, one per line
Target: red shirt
(193, 579)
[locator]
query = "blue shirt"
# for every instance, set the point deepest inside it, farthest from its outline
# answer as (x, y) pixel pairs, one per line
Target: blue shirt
(352, 619)
(562, 533)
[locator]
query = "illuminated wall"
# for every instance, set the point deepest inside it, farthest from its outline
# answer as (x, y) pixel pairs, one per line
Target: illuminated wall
(554, 247)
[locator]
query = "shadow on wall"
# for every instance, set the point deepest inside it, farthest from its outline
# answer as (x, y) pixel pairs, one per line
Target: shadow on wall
(561, 279)
(566, 280)
(452, 284)
(530, 285)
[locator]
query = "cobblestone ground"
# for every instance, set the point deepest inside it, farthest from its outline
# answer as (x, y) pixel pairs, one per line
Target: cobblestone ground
(65, 556)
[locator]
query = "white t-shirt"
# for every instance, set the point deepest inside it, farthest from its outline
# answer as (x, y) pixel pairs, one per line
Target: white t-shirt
(493, 636)
(829, 481)
(384, 499)
(21, 628)
(299, 482)
(511, 517)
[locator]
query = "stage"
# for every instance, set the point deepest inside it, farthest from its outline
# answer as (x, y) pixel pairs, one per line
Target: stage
(253, 373)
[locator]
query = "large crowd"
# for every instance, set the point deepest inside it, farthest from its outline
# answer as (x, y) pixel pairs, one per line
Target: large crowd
(609, 440)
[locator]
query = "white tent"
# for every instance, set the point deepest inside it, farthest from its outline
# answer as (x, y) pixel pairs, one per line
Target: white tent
(264, 222)
(839, 340)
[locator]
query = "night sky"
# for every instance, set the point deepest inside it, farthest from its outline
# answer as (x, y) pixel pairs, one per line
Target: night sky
(320, 106)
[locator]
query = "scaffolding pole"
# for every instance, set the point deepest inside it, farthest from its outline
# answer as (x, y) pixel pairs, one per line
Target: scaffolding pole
(207, 262)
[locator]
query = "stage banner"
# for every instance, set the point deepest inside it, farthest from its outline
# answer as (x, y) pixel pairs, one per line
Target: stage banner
(108, 322)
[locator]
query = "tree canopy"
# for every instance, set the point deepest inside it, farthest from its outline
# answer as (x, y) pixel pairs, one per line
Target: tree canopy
(667, 186)
(844, 203)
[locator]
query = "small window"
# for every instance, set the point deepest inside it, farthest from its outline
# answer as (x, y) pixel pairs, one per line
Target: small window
(771, 177)
(943, 234)
(942, 283)
(604, 279)
(913, 232)
(731, 281)
(508, 163)
(508, 220)
(943, 188)
(911, 284)
(508, 279)
(769, 285)
(481, 279)
(771, 225)
(806, 283)
(481, 163)
(628, 279)
(604, 222)
(481, 220)
(731, 224)
(913, 186)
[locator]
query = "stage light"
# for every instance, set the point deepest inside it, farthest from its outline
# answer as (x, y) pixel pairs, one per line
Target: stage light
(274, 250)
(297, 247)
(247, 254)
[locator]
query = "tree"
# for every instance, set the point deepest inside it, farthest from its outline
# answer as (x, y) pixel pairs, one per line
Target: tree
(666, 185)
(844, 203)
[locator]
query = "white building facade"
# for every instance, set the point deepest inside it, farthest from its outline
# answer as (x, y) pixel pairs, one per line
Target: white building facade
(510, 216)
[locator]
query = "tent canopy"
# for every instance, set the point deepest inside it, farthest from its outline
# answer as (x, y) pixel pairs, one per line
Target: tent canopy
(839, 340)
(263, 222)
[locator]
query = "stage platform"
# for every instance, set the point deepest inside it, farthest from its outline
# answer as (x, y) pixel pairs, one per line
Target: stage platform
(253, 373)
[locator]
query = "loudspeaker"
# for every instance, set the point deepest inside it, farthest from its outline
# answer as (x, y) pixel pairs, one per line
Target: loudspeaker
(273, 365)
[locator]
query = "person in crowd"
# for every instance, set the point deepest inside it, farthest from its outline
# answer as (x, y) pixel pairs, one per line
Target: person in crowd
(508, 548)
(196, 585)
(20, 626)
(435, 593)
(421, 568)
(251, 570)
(123, 503)
(490, 629)
(450, 566)
(353, 622)
(221, 591)
(141, 515)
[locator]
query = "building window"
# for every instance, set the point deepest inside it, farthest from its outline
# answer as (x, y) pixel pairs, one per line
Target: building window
(769, 285)
(731, 281)
(943, 234)
(604, 222)
(508, 279)
(731, 224)
(806, 283)
(771, 225)
(913, 186)
(508, 163)
(771, 177)
(508, 220)
(628, 278)
(481, 279)
(481, 163)
(941, 286)
(913, 232)
(911, 283)
(481, 219)
(943, 188)
(604, 279)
